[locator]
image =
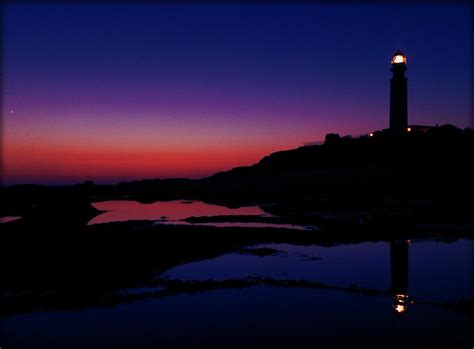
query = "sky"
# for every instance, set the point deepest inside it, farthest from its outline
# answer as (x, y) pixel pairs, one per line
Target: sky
(120, 91)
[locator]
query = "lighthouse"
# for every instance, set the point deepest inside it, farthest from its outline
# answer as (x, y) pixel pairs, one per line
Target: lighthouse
(398, 94)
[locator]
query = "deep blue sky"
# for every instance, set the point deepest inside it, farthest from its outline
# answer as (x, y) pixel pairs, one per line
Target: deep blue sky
(244, 79)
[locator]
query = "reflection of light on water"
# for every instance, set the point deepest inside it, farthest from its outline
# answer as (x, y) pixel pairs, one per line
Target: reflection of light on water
(400, 303)
(243, 225)
(174, 212)
(9, 219)
(400, 308)
(125, 210)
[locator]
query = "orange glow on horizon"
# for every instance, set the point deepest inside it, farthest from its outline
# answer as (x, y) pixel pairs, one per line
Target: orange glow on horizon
(50, 161)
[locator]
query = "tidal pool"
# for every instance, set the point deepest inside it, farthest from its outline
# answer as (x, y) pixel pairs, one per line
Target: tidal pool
(126, 210)
(174, 212)
(426, 270)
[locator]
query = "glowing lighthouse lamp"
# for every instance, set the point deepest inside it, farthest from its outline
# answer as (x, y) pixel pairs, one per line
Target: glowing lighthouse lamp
(399, 58)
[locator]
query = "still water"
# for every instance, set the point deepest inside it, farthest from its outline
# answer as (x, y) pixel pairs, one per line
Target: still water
(174, 212)
(417, 275)
(126, 210)
(432, 270)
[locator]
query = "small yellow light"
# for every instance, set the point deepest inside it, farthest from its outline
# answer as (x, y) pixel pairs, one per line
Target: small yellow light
(371, 134)
(409, 129)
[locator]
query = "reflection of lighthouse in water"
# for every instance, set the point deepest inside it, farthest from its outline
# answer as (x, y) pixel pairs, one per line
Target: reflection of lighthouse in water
(399, 274)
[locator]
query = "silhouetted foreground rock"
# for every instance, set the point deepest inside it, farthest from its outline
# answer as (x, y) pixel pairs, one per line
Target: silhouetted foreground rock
(48, 205)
